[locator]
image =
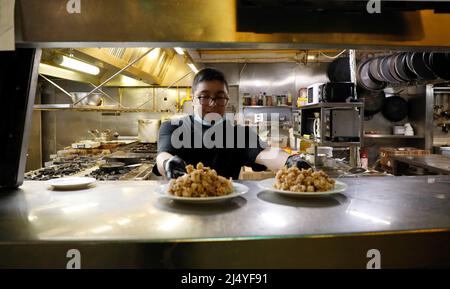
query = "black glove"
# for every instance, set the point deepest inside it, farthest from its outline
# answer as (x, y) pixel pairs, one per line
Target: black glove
(174, 167)
(296, 160)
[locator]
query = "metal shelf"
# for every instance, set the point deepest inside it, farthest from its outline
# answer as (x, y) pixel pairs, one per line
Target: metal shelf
(335, 105)
(81, 108)
(392, 136)
(266, 106)
(327, 143)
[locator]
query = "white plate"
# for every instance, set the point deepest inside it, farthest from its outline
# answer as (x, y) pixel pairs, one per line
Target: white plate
(71, 183)
(267, 184)
(239, 190)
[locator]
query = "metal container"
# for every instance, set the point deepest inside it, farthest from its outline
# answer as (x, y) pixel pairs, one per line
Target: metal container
(148, 130)
(94, 99)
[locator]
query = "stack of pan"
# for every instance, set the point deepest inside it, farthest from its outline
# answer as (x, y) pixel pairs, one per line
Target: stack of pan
(375, 73)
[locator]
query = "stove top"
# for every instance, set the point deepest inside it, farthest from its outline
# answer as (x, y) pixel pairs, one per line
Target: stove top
(83, 166)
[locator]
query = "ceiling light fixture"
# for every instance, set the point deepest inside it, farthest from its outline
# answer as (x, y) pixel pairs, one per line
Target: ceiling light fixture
(179, 50)
(77, 65)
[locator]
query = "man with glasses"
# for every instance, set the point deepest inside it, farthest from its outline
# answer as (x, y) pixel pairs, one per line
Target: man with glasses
(227, 149)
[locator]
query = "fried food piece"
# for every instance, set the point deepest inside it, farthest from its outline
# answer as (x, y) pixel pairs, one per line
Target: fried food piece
(296, 180)
(200, 182)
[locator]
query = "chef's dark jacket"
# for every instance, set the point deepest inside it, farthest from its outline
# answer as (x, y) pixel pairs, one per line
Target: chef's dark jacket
(226, 157)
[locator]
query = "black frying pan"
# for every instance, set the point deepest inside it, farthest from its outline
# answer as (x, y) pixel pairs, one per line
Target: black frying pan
(384, 70)
(373, 100)
(440, 64)
(395, 108)
(339, 70)
(392, 69)
(419, 66)
(402, 68)
(373, 69)
(365, 79)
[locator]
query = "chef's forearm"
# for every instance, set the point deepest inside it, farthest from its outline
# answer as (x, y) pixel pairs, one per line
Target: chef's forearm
(273, 158)
(160, 161)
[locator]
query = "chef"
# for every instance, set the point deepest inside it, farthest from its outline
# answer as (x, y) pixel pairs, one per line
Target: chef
(211, 137)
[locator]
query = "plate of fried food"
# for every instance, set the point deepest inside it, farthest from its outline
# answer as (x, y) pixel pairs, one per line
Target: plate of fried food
(299, 182)
(201, 185)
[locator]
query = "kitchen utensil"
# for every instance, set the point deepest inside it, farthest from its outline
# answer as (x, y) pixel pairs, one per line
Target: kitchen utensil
(392, 69)
(127, 158)
(401, 69)
(94, 99)
(395, 108)
(365, 79)
(440, 63)
(385, 70)
(339, 70)
(148, 130)
(112, 166)
(238, 190)
(267, 184)
(374, 64)
(373, 101)
(419, 66)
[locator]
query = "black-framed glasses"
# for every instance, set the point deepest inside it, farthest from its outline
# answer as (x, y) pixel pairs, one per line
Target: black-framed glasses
(209, 101)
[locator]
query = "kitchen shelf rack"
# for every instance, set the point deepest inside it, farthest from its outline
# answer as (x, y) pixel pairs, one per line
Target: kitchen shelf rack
(70, 107)
(393, 136)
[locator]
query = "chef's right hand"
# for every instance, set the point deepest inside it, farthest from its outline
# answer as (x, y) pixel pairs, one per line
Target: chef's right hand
(174, 167)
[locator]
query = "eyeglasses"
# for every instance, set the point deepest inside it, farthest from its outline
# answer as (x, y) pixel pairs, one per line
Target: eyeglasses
(209, 101)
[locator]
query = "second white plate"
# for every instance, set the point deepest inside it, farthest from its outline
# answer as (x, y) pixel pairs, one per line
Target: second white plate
(267, 184)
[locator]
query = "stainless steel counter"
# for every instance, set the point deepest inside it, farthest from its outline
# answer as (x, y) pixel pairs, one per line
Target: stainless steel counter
(434, 163)
(127, 212)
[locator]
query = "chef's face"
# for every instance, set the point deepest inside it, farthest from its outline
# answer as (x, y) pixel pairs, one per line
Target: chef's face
(210, 97)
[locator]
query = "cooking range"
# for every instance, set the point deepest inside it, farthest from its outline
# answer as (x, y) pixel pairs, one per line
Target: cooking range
(136, 161)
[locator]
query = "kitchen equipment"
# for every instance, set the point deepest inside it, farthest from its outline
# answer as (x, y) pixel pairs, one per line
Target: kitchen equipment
(127, 158)
(387, 152)
(440, 63)
(337, 92)
(86, 144)
(339, 70)
(395, 108)
(365, 79)
(373, 101)
(418, 65)
(148, 130)
(94, 99)
(315, 92)
(112, 167)
(374, 64)
(399, 130)
(385, 70)
(392, 62)
(402, 68)
(342, 125)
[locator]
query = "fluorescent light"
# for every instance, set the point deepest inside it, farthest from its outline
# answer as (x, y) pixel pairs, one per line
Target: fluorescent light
(311, 57)
(78, 65)
(192, 66)
(179, 50)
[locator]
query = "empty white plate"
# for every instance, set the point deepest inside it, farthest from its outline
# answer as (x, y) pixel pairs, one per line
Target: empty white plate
(239, 190)
(71, 183)
(267, 184)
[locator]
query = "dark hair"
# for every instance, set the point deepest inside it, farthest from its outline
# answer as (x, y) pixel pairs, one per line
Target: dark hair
(208, 74)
